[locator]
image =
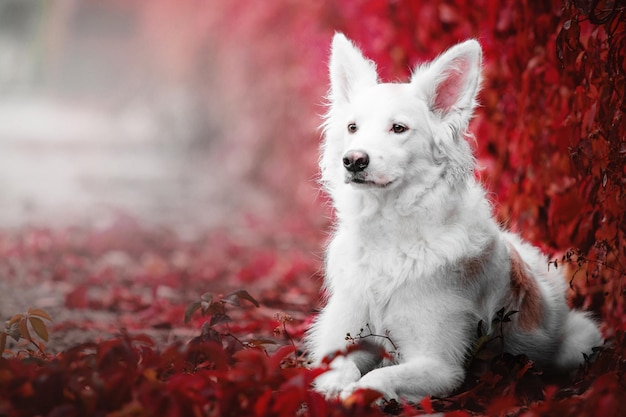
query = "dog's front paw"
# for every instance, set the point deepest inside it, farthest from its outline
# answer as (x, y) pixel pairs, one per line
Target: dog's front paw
(364, 383)
(333, 382)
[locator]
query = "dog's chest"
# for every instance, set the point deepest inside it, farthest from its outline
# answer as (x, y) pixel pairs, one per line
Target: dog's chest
(389, 260)
(379, 260)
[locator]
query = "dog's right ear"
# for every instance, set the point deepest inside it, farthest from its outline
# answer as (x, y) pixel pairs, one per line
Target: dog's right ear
(349, 70)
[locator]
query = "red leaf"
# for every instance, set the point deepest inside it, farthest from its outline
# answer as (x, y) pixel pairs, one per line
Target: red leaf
(317, 405)
(458, 413)
(279, 355)
(263, 403)
(362, 397)
(427, 405)
(77, 298)
(499, 405)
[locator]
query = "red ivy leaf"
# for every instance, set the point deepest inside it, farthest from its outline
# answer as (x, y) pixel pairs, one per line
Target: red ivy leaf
(458, 413)
(364, 396)
(77, 298)
(499, 405)
(262, 405)
(279, 355)
(427, 405)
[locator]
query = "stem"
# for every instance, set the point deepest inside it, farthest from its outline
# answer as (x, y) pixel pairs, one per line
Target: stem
(230, 334)
(371, 334)
(293, 344)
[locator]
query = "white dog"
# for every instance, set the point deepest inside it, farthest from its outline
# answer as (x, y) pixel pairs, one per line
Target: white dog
(417, 257)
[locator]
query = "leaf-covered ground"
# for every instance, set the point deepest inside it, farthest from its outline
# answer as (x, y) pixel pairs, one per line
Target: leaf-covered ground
(118, 343)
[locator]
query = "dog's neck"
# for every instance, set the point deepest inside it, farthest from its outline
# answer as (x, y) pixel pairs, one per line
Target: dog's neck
(417, 206)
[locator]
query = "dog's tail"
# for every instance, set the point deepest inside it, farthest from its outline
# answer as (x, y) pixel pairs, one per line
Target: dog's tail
(580, 336)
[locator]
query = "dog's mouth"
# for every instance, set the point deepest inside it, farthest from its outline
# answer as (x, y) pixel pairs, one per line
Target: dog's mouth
(358, 180)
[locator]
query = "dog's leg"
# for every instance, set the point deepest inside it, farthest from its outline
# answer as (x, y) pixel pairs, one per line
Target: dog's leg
(411, 380)
(342, 315)
(343, 373)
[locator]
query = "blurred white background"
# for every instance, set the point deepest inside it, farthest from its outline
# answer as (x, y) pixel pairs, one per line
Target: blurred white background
(184, 113)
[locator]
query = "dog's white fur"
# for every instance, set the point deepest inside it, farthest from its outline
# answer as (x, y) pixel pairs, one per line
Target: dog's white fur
(416, 254)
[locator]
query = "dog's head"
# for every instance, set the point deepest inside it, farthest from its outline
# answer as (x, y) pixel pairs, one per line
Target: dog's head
(382, 136)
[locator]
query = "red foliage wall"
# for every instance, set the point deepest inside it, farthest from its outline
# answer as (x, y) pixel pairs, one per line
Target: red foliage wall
(551, 133)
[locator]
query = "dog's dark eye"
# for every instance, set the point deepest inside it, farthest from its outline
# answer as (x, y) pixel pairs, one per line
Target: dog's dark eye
(398, 128)
(352, 127)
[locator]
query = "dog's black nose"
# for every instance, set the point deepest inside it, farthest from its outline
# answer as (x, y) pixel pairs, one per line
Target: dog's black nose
(356, 161)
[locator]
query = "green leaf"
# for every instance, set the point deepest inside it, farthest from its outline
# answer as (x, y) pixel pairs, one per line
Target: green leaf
(39, 327)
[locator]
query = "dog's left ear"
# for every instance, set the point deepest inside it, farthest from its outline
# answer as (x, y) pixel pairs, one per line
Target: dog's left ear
(450, 83)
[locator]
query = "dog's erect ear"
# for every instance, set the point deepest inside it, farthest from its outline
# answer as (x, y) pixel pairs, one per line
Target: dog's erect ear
(451, 81)
(349, 70)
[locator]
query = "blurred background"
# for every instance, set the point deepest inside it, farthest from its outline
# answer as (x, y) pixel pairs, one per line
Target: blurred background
(204, 113)
(131, 117)
(192, 113)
